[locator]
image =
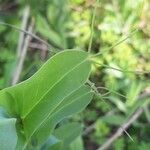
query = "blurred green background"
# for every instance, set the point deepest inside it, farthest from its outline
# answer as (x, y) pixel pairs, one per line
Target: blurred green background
(66, 24)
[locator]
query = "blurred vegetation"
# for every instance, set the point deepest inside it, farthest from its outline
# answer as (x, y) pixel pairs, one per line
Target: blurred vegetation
(66, 24)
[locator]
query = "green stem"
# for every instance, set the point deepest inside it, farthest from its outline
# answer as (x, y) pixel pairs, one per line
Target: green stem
(116, 44)
(121, 70)
(92, 27)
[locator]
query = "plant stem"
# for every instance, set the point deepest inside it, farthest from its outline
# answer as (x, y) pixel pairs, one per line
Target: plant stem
(121, 70)
(116, 44)
(125, 125)
(22, 48)
(23, 27)
(121, 129)
(92, 27)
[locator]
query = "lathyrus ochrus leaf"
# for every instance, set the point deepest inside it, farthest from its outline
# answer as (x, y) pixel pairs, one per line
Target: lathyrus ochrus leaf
(56, 91)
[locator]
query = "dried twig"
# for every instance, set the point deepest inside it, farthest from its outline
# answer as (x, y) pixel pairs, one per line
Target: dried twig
(121, 129)
(22, 47)
(124, 126)
(38, 46)
(27, 33)
(23, 27)
(21, 59)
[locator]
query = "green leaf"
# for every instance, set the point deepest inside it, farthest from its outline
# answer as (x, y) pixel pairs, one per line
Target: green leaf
(45, 30)
(120, 105)
(132, 93)
(70, 65)
(114, 119)
(65, 77)
(52, 144)
(7, 101)
(72, 104)
(77, 144)
(67, 133)
(56, 91)
(8, 135)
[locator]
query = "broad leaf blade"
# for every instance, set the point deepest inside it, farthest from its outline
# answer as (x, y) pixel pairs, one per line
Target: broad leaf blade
(7, 101)
(74, 103)
(76, 69)
(68, 84)
(67, 133)
(28, 93)
(77, 144)
(37, 98)
(8, 135)
(52, 144)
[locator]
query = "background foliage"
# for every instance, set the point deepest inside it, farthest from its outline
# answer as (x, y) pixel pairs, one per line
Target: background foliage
(67, 24)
